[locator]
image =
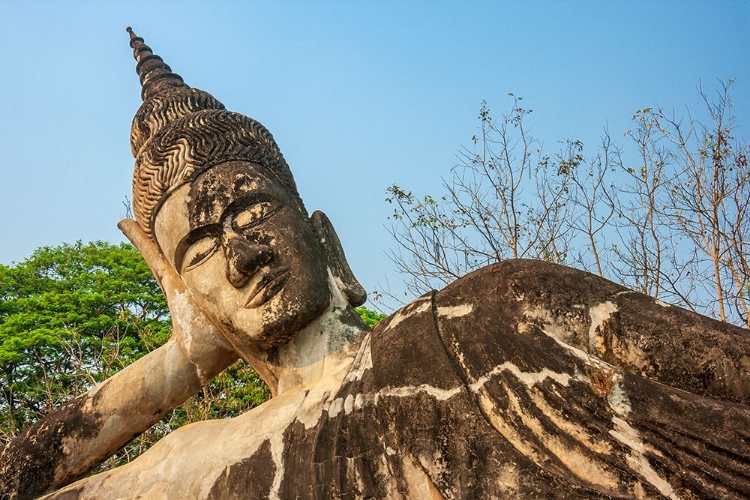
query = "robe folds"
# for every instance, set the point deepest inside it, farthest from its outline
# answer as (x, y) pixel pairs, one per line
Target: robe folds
(521, 380)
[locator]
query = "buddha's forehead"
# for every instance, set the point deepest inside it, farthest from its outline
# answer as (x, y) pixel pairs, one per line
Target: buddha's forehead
(217, 188)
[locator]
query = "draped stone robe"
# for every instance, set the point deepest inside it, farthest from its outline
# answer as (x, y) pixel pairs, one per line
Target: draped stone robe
(523, 379)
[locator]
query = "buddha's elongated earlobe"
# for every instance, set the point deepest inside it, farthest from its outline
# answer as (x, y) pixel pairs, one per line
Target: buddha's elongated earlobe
(351, 289)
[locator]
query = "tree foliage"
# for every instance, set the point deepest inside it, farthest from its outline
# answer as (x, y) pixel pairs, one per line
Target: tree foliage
(667, 213)
(71, 316)
(369, 316)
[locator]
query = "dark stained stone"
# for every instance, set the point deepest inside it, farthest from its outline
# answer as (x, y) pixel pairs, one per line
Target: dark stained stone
(248, 478)
(29, 463)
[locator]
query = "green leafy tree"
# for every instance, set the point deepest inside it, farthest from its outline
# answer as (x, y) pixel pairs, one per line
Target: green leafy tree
(71, 316)
(369, 316)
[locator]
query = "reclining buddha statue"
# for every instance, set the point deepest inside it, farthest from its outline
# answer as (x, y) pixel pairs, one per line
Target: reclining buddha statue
(524, 379)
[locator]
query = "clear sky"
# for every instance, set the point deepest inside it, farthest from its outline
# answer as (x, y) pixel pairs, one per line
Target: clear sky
(359, 95)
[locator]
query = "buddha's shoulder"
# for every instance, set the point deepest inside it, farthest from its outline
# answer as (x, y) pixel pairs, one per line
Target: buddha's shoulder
(467, 296)
(477, 311)
(408, 348)
(500, 293)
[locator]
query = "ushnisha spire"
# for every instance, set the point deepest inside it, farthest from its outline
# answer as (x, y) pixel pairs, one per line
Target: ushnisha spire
(154, 73)
(166, 97)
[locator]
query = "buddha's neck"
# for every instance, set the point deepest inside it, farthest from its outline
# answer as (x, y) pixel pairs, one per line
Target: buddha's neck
(326, 348)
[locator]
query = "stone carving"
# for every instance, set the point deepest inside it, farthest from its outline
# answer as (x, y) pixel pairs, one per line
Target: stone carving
(522, 380)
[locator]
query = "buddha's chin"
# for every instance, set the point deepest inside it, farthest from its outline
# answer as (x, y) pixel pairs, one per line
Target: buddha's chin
(275, 322)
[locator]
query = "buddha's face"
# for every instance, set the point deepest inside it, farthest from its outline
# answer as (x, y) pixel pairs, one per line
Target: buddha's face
(246, 252)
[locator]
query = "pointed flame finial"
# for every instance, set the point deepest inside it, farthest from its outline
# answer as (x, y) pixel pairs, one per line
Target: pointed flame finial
(154, 73)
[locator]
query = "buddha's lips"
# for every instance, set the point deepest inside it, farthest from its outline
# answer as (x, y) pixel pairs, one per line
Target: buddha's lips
(270, 283)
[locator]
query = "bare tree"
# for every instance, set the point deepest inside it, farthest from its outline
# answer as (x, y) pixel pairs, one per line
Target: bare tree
(668, 214)
(709, 202)
(594, 205)
(504, 200)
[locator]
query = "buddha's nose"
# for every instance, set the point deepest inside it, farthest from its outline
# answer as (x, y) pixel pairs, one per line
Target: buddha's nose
(243, 258)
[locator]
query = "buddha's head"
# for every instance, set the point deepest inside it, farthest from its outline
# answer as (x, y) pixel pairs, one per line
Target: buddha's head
(214, 192)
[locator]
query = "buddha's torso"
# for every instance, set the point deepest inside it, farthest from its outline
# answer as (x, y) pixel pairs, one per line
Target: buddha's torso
(463, 393)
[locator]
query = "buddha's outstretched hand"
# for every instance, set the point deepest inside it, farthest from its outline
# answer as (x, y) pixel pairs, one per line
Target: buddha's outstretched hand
(192, 330)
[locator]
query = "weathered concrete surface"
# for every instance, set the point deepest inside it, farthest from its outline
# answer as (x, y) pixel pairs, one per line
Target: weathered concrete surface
(463, 394)
(87, 430)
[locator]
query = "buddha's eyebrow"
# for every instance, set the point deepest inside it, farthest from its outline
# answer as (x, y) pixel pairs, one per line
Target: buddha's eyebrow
(244, 200)
(190, 238)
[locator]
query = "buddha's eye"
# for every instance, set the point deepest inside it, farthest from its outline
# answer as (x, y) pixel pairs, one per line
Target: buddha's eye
(199, 252)
(253, 216)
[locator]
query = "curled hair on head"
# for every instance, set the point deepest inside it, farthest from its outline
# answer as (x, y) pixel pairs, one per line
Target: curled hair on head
(185, 148)
(166, 107)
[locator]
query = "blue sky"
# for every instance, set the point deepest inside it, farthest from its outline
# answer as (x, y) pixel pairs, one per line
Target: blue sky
(359, 95)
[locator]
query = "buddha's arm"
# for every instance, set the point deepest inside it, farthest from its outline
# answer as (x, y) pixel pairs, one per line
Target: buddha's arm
(69, 442)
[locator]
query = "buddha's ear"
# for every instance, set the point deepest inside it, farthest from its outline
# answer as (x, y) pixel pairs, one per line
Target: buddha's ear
(351, 289)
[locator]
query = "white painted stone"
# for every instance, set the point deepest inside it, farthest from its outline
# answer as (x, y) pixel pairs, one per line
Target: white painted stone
(599, 314)
(637, 459)
(528, 378)
(449, 312)
(419, 306)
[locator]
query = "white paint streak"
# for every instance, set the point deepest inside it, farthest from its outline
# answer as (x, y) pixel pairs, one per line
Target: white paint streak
(419, 306)
(362, 362)
(552, 324)
(359, 401)
(334, 409)
(630, 437)
(528, 378)
(348, 404)
(277, 454)
(435, 392)
(599, 314)
(449, 312)
(617, 399)
(637, 459)
(580, 353)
